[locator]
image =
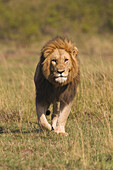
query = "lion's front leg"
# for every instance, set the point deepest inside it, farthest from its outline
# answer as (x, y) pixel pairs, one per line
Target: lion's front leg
(42, 121)
(61, 121)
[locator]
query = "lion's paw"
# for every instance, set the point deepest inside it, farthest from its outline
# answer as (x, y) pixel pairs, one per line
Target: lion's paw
(61, 133)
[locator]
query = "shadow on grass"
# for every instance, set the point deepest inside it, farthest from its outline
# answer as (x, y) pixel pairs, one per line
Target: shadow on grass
(23, 131)
(2, 131)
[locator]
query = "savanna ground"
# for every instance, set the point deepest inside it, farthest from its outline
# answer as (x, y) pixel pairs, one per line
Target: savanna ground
(90, 124)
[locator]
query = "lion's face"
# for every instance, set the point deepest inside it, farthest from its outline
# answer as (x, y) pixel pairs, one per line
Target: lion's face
(58, 67)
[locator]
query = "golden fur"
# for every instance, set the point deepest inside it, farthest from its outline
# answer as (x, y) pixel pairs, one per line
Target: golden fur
(57, 56)
(59, 43)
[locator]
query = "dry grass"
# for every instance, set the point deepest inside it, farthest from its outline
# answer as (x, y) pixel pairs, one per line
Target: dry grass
(90, 124)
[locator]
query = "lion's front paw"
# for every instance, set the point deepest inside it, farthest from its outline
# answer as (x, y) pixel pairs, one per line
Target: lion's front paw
(45, 126)
(60, 130)
(61, 133)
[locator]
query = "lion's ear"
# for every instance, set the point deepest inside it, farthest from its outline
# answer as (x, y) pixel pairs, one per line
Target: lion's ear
(75, 51)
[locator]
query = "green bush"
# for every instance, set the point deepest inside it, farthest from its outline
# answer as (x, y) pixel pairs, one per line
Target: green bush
(23, 20)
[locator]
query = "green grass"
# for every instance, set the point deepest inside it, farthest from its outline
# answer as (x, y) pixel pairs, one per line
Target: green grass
(90, 124)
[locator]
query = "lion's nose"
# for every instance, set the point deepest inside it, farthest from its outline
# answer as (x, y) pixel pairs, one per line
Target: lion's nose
(60, 71)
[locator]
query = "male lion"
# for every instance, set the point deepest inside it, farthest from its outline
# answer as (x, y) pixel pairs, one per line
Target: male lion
(56, 79)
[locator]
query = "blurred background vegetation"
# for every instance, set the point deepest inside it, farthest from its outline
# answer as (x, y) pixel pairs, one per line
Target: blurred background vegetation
(29, 21)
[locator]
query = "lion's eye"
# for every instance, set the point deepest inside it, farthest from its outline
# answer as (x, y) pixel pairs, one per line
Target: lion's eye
(54, 61)
(65, 60)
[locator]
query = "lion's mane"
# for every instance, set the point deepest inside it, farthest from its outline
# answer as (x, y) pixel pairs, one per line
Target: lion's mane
(46, 92)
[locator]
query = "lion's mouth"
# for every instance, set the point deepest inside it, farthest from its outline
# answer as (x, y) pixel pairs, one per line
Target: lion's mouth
(60, 79)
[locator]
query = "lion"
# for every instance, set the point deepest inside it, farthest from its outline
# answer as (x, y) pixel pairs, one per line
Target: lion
(56, 79)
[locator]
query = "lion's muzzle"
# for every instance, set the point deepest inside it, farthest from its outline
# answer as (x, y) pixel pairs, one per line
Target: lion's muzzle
(61, 76)
(60, 79)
